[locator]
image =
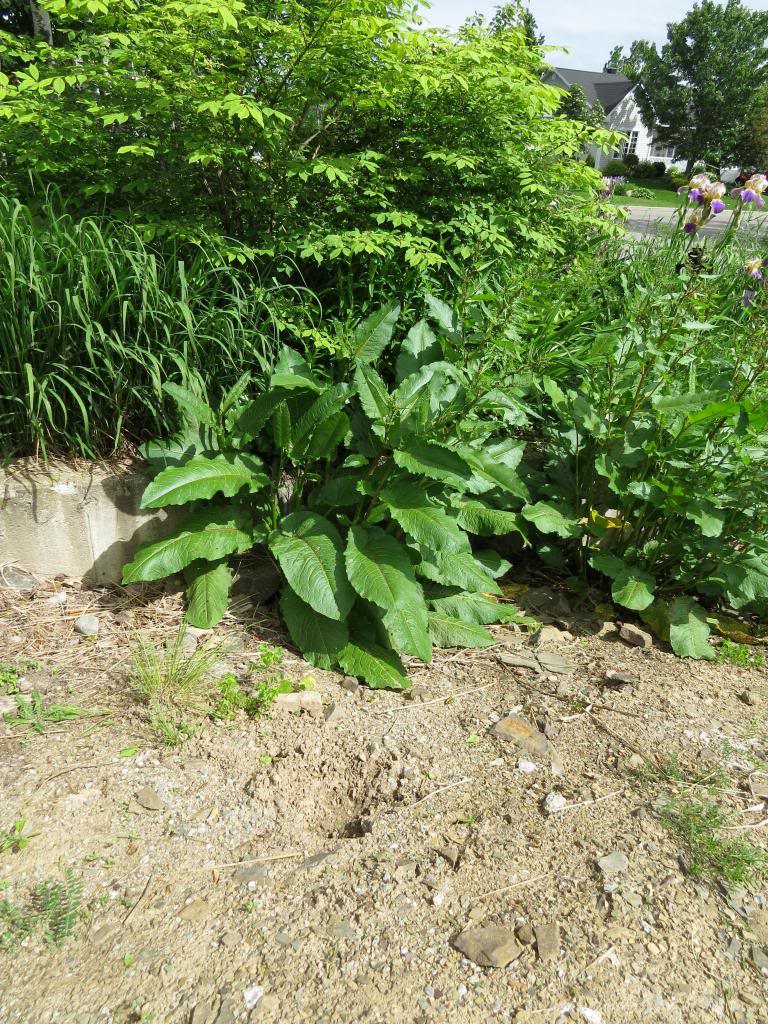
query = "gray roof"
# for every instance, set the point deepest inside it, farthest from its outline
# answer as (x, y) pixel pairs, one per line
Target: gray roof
(609, 88)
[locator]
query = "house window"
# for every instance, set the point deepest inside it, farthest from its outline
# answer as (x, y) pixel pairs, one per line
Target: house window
(629, 145)
(663, 152)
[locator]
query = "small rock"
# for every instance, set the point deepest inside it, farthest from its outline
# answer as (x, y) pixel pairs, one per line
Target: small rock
(548, 940)
(418, 691)
(251, 873)
(288, 702)
(312, 703)
(196, 910)
(14, 578)
(614, 863)
(590, 1016)
(206, 1011)
(758, 925)
(549, 635)
(252, 995)
(333, 714)
(748, 697)
(37, 680)
(488, 947)
(551, 662)
(7, 705)
(350, 684)
(527, 767)
(231, 939)
(619, 679)
(187, 645)
(315, 860)
(87, 625)
(526, 934)
(514, 729)
(635, 762)
(342, 930)
(607, 629)
(519, 661)
(105, 935)
(227, 1011)
(759, 959)
(636, 636)
(149, 799)
(451, 853)
(554, 802)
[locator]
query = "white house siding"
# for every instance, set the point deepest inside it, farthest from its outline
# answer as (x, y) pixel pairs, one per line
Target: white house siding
(625, 118)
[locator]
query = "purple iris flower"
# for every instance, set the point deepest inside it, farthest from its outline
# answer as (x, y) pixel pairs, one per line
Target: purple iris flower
(691, 228)
(748, 195)
(756, 274)
(718, 206)
(759, 202)
(696, 196)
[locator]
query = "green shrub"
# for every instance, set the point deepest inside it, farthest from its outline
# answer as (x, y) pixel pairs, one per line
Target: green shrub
(645, 169)
(638, 192)
(615, 169)
(654, 472)
(659, 168)
(365, 484)
(632, 160)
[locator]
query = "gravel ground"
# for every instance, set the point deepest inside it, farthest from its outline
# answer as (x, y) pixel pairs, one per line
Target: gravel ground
(324, 867)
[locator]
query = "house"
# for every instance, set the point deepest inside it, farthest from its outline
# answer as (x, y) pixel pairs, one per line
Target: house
(622, 114)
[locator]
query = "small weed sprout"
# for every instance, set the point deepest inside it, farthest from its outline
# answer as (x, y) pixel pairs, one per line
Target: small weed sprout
(36, 715)
(14, 839)
(740, 655)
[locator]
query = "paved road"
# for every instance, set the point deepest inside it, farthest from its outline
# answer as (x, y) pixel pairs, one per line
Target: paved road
(654, 220)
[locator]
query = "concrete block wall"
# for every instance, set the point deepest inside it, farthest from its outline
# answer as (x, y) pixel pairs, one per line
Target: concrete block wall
(81, 519)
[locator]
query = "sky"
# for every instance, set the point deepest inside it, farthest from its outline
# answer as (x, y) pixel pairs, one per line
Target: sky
(588, 28)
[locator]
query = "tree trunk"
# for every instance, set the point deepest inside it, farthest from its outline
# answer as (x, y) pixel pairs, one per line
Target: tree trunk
(41, 22)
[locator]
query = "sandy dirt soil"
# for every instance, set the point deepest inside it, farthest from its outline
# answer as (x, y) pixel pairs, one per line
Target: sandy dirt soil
(321, 867)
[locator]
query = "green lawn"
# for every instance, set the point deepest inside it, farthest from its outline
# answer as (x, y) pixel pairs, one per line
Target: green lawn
(663, 196)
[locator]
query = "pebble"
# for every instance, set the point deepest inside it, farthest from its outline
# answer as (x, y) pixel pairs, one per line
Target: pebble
(418, 691)
(333, 714)
(450, 853)
(551, 662)
(206, 1011)
(231, 939)
(105, 935)
(617, 679)
(748, 697)
(550, 635)
(87, 625)
(149, 799)
(614, 863)
(519, 661)
(251, 873)
(37, 680)
(350, 684)
(305, 700)
(548, 940)
(252, 995)
(526, 934)
(488, 947)
(636, 636)
(554, 802)
(514, 729)
(14, 578)
(7, 705)
(196, 910)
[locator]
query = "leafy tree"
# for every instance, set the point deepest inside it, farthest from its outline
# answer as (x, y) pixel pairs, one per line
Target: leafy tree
(700, 90)
(331, 133)
(576, 107)
(516, 15)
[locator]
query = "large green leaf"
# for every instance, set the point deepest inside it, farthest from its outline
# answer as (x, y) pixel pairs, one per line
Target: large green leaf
(419, 348)
(380, 570)
(609, 565)
(320, 639)
(326, 406)
(250, 421)
(495, 466)
(551, 518)
(309, 550)
(457, 569)
(208, 533)
(486, 521)
(203, 476)
(292, 372)
(633, 589)
(709, 519)
(442, 313)
(372, 336)
(449, 632)
(208, 586)
(195, 409)
(689, 629)
(744, 580)
(421, 519)
(327, 437)
(380, 668)
(408, 630)
(374, 397)
(476, 608)
(427, 458)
